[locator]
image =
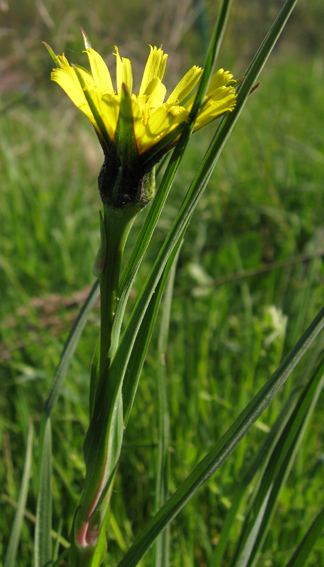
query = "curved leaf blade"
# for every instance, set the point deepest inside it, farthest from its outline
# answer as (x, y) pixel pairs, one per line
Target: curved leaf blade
(154, 213)
(161, 547)
(276, 473)
(43, 544)
(143, 337)
(223, 448)
(69, 349)
(16, 528)
(261, 458)
(43, 538)
(120, 361)
(306, 546)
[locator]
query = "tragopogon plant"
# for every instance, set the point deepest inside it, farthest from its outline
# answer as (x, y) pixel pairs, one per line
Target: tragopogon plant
(135, 131)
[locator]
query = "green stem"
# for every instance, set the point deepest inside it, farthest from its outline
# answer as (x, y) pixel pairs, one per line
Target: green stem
(92, 515)
(117, 224)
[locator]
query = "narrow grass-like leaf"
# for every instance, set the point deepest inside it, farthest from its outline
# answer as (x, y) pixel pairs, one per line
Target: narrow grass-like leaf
(142, 341)
(153, 216)
(57, 542)
(161, 548)
(306, 546)
(94, 375)
(223, 448)
(43, 516)
(43, 541)
(69, 349)
(29, 516)
(155, 211)
(101, 432)
(59, 560)
(139, 351)
(260, 459)
(16, 528)
(120, 362)
(100, 425)
(275, 475)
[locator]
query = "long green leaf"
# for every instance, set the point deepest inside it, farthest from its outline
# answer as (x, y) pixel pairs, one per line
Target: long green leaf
(260, 460)
(43, 540)
(103, 443)
(155, 211)
(43, 516)
(100, 424)
(263, 455)
(276, 473)
(69, 349)
(57, 543)
(161, 548)
(120, 361)
(16, 528)
(143, 337)
(305, 548)
(153, 216)
(223, 448)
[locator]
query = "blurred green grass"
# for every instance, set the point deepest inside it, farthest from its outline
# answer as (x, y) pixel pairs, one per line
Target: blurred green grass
(264, 204)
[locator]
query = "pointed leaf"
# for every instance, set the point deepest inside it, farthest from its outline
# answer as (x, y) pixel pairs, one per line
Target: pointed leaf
(223, 448)
(161, 547)
(86, 40)
(125, 136)
(69, 348)
(305, 548)
(43, 541)
(94, 375)
(153, 216)
(101, 129)
(260, 459)
(142, 342)
(119, 364)
(52, 54)
(10, 559)
(276, 473)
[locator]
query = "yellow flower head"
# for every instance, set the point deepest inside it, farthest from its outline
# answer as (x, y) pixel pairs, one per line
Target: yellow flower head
(153, 118)
(139, 128)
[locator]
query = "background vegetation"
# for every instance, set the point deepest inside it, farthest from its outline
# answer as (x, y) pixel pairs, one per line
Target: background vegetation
(249, 280)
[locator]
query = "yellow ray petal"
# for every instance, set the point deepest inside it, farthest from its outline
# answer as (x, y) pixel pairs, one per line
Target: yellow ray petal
(93, 95)
(73, 89)
(215, 108)
(154, 67)
(64, 64)
(187, 83)
(160, 123)
(127, 74)
(149, 89)
(87, 78)
(219, 79)
(139, 112)
(99, 70)
(157, 95)
(124, 72)
(216, 86)
(110, 106)
(70, 70)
